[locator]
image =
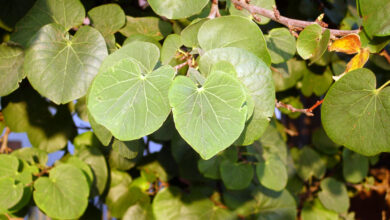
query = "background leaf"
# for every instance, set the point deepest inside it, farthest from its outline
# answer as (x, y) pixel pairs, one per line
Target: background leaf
(177, 9)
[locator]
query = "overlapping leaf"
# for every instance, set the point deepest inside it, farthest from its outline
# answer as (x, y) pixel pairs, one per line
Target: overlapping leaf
(11, 71)
(108, 18)
(312, 42)
(375, 16)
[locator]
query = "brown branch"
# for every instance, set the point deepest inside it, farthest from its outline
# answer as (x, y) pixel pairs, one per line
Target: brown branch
(385, 55)
(288, 22)
(293, 109)
(214, 11)
(4, 146)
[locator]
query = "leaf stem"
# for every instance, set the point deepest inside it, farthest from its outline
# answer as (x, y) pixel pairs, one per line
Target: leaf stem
(383, 86)
(288, 22)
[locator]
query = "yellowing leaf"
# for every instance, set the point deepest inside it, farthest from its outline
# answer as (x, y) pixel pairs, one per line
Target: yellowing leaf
(349, 44)
(358, 60)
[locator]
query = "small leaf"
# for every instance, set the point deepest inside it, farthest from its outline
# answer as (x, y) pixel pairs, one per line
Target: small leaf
(355, 166)
(102, 133)
(234, 31)
(316, 83)
(355, 114)
(210, 168)
(67, 13)
(173, 9)
(84, 167)
(149, 26)
(31, 155)
(66, 184)
(209, 118)
(334, 195)
(236, 176)
(281, 45)
(312, 43)
(189, 35)
(317, 211)
(107, 19)
(128, 149)
(170, 47)
(323, 143)
(308, 163)
(141, 38)
(11, 71)
(286, 75)
(266, 4)
(272, 173)
(349, 44)
(119, 96)
(62, 69)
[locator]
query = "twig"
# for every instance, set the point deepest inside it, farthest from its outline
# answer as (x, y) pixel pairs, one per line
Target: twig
(214, 11)
(293, 109)
(288, 22)
(4, 146)
(318, 103)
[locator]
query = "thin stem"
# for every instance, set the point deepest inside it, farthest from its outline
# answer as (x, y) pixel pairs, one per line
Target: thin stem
(214, 11)
(383, 86)
(293, 109)
(4, 145)
(289, 22)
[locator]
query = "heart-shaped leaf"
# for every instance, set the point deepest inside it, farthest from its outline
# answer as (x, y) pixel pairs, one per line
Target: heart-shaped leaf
(108, 18)
(68, 187)
(173, 9)
(256, 77)
(209, 118)
(10, 193)
(272, 173)
(281, 45)
(11, 71)
(62, 69)
(236, 176)
(233, 31)
(129, 103)
(356, 114)
(312, 43)
(67, 13)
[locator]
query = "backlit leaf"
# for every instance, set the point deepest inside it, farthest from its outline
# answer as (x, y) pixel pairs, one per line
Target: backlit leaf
(173, 9)
(11, 71)
(358, 60)
(349, 44)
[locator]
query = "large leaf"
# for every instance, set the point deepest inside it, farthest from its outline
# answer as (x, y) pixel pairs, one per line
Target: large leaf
(334, 195)
(236, 176)
(375, 16)
(357, 115)
(210, 118)
(11, 192)
(281, 45)
(108, 18)
(312, 43)
(129, 103)
(67, 13)
(173, 9)
(256, 77)
(62, 69)
(233, 31)
(149, 26)
(11, 71)
(68, 187)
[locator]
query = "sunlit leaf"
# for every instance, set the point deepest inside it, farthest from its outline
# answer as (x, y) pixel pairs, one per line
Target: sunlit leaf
(349, 44)
(173, 9)
(11, 71)
(358, 60)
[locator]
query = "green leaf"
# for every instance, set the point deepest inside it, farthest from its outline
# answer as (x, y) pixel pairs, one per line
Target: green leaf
(334, 195)
(295, 102)
(81, 109)
(375, 16)
(10, 192)
(31, 155)
(312, 43)
(317, 211)
(356, 114)
(355, 166)
(210, 168)
(108, 18)
(128, 149)
(233, 31)
(316, 83)
(189, 35)
(256, 77)
(170, 47)
(129, 103)
(149, 26)
(67, 186)
(9, 165)
(84, 167)
(172, 9)
(281, 45)
(323, 143)
(141, 38)
(236, 176)
(11, 72)
(308, 163)
(374, 44)
(139, 212)
(267, 4)
(170, 203)
(62, 69)
(286, 75)
(102, 133)
(92, 156)
(272, 173)
(145, 53)
(210, 118)
(26, 111)
(67, 13)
